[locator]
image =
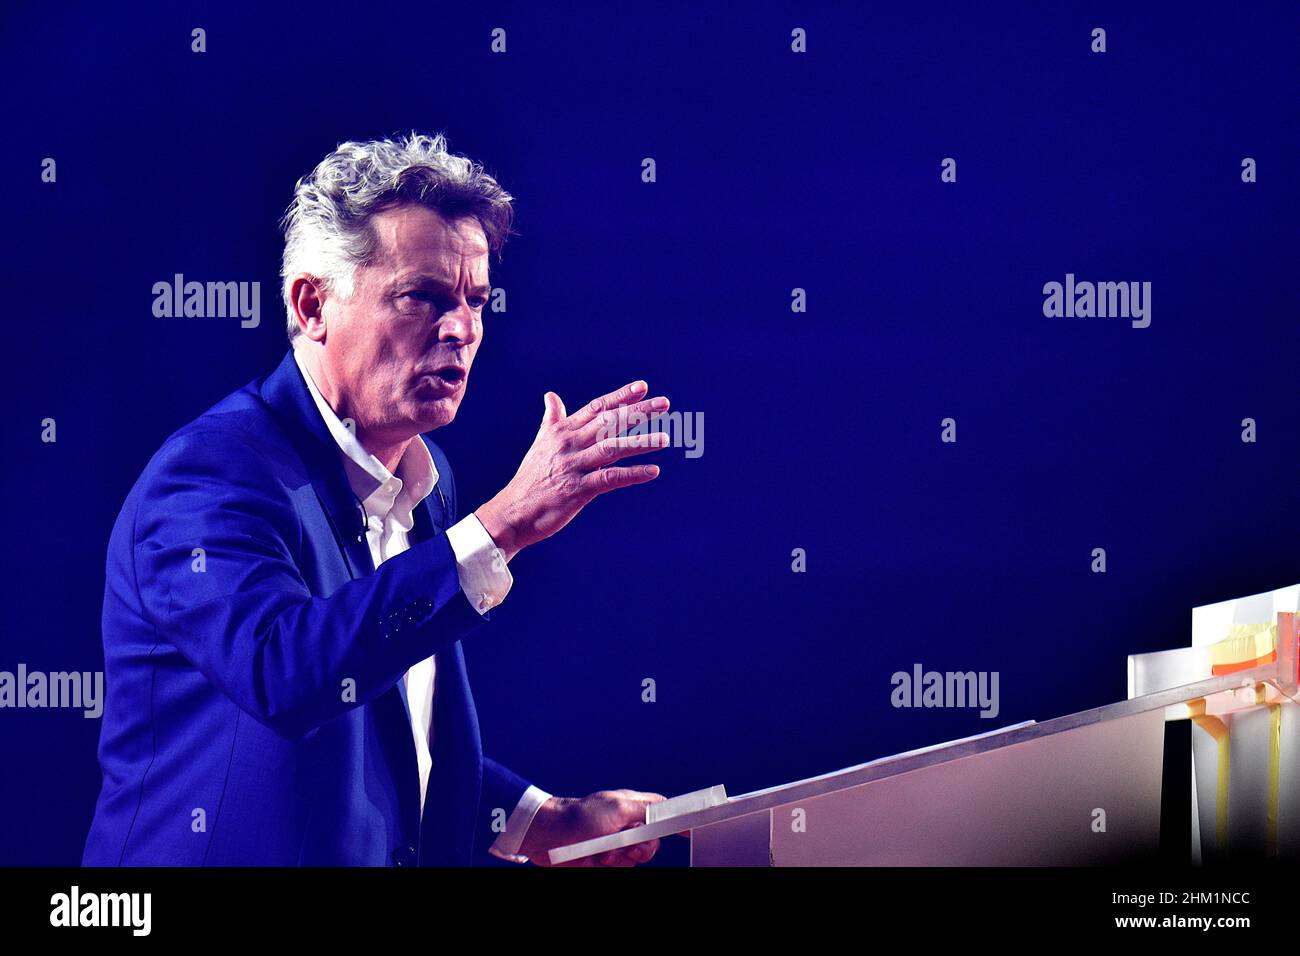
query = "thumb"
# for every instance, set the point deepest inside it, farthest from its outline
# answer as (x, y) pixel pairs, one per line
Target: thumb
(554, 408)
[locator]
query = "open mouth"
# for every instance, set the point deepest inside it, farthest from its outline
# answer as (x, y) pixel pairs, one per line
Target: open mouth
(440, 380)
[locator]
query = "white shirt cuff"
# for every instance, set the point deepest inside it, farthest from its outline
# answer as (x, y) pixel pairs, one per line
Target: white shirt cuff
(512, 838)
(484, 576)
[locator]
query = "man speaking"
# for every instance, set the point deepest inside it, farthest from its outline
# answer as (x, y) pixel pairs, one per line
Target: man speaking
(289, 580)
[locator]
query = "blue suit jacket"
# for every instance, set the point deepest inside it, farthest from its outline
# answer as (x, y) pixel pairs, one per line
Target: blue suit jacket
(229, 736)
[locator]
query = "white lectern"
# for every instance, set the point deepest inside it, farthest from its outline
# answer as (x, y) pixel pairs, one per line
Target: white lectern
(1076, 790)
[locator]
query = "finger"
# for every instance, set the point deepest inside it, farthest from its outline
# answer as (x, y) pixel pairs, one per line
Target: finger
(639, 852)
(643, 852)
(616, 421)
(642, 796)
(609, 450)
(635, 803)
(554, 408)
(633, 806)
(611, 479)
(630, 392)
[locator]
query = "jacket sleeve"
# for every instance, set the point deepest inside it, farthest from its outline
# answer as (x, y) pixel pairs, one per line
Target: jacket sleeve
(240, 610)
(501, 787)
(502, 791)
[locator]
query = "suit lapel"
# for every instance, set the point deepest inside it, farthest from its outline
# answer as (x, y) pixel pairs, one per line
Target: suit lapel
(430, 517)
(285, 392)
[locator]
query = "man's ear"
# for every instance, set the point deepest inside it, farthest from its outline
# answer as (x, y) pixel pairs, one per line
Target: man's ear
(307, 294)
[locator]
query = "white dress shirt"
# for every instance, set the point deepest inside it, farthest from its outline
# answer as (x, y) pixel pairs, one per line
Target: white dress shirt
(389, 501)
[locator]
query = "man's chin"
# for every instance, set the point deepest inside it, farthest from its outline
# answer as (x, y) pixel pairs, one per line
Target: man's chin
(429, 414)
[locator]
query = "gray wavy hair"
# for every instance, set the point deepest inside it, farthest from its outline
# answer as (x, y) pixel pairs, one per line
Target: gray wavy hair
(327, 230)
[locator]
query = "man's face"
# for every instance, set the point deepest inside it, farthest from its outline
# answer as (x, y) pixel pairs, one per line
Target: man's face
(400, 349)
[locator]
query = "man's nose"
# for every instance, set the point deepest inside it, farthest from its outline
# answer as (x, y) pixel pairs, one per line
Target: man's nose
(457, 324)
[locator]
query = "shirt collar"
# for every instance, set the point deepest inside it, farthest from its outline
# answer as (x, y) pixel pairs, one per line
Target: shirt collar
(382, 493)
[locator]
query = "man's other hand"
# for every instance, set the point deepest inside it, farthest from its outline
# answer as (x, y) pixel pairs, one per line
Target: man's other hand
(564, 820)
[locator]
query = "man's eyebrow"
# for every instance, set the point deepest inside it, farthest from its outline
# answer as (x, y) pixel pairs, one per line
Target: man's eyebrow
(424, 279)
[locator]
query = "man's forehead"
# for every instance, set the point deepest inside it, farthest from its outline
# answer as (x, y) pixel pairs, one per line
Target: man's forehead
(418, 239)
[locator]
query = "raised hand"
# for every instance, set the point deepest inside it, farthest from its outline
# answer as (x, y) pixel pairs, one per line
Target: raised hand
(570, 463)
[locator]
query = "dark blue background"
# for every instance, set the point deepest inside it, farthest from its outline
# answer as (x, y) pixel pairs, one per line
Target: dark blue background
(775, 171)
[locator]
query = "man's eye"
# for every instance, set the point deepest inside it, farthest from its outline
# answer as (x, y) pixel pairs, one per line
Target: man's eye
(419, 294)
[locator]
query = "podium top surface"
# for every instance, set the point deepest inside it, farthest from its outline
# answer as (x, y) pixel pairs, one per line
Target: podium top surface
(758, 800)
